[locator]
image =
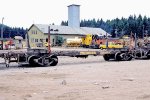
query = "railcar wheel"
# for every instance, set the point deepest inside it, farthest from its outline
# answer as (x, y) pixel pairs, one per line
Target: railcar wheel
(130, 58)
(31, 61)
(148, 55)
(117, 56)
(126, 57)
(106, 57)
(53, 59)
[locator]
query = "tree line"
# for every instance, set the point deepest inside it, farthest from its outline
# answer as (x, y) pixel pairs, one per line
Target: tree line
(11, 32)
(119, 27)
(116, 27)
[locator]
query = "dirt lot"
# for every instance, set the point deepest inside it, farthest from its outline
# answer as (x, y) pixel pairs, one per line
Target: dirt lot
(78, 79)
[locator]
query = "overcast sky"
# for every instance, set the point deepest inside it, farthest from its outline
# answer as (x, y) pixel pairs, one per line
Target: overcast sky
(23, 13)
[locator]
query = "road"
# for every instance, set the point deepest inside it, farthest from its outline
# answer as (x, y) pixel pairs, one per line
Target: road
(78, 79)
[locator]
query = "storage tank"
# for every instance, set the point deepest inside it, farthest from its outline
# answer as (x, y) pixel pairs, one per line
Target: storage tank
(73, 42)
(74, 16)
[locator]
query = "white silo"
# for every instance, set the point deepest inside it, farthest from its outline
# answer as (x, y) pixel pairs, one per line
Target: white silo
(74, 16)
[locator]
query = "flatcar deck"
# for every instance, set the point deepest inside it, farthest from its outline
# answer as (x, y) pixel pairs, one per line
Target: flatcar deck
(41, 57)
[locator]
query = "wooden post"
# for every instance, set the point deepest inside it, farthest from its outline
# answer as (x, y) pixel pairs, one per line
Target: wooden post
(49, 47)
(27, 40)
(135, 40)
(106, 40)
(2, 41)
(131, 41)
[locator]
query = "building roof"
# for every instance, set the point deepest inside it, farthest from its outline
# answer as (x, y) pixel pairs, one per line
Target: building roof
(56, 29)
(97, 31)
(73, 5)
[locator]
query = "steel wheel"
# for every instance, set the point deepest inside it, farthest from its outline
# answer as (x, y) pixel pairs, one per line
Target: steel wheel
(148, 55)
(53, 59)
(106, 57)
(118, 57)
(126, 57)
(32, 62)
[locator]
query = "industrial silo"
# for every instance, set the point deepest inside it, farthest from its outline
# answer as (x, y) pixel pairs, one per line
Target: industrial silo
(74, 16)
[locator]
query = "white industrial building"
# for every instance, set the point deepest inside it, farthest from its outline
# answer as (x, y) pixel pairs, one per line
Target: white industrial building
(38, 32)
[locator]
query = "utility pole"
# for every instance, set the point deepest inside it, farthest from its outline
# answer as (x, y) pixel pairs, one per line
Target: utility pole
(2, 33)
(131, 40)
(49, 47)
(106, 40)
(27, 40)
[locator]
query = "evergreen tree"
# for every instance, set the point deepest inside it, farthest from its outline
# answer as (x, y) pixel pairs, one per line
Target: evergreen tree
(124, 26)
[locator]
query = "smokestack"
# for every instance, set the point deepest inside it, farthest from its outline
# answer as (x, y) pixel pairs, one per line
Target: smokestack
(74, 16)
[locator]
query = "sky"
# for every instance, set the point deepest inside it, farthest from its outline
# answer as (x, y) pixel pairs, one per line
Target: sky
(24, 13)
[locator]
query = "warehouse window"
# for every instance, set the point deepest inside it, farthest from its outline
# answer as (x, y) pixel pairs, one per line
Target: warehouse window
(41, 40)
(34, 31)
(36, 40)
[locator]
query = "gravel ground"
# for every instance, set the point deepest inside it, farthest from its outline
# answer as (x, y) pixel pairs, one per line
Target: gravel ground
(77, 79)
